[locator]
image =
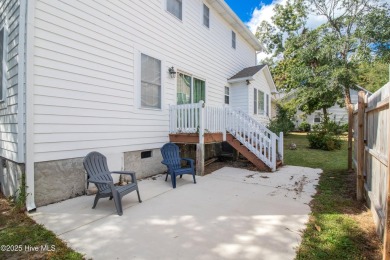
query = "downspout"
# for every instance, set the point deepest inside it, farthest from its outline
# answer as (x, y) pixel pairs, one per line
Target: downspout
(29, 6)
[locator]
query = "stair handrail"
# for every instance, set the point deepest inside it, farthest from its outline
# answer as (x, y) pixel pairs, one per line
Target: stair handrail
(253, 135)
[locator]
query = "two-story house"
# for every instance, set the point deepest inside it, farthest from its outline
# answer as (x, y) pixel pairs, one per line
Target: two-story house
(79, 76)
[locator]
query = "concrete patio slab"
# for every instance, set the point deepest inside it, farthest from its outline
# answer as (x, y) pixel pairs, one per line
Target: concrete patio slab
(229, 214)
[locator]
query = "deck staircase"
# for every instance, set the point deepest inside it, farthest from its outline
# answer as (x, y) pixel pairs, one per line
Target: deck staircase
(249, 137)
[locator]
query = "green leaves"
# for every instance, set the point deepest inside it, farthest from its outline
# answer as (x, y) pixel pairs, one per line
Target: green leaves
(322, 64)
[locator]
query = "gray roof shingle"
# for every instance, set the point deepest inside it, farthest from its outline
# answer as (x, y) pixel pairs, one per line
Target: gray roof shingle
(248, 72)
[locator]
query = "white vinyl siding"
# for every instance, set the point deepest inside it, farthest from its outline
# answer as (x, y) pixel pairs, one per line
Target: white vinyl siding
(150, 82)
(10, 127)
(175, 7)
(87, 72)
(206, 16)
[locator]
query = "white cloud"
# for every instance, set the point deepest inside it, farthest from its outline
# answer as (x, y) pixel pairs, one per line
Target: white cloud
(265, 13)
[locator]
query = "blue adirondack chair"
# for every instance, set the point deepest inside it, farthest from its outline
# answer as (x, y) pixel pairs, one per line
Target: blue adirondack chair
(98, 173)
(171, 155)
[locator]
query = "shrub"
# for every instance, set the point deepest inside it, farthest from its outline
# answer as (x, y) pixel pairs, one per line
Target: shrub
(325, 136)
(282, 122)
(278, 126)
(344, 127)
(304, 127)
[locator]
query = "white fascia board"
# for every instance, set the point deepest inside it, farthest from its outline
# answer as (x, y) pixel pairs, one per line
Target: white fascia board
(240, 79)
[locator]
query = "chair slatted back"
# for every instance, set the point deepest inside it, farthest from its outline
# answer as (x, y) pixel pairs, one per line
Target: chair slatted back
(171, 154)
(95, 164)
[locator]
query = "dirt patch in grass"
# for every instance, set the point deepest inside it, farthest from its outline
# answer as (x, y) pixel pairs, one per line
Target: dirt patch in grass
(23, 238)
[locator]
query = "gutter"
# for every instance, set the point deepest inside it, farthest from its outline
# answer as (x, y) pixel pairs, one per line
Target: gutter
(29, 10)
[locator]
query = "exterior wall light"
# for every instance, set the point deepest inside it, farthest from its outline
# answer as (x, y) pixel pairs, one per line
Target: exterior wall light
(172, 72)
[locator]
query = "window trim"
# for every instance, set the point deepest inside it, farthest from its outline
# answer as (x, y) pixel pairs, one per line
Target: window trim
(203, 16)
(256, 110)
(137, 77)
(192, 84)
(182, 8)
(4, 27)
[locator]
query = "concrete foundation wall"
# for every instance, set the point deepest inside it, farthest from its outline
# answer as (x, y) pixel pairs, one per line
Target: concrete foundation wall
(144, 167)
(10, 176)
(59, 180)
(189, 150)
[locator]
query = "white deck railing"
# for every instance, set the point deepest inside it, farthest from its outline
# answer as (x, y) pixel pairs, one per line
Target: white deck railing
(201, 118)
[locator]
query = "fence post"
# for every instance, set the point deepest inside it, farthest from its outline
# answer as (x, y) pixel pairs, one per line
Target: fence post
(200, 145)
(386, 238)
(360, 147)
(350, 127)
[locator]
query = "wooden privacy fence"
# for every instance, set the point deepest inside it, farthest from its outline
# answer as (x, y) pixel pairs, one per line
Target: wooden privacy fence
(369, 122)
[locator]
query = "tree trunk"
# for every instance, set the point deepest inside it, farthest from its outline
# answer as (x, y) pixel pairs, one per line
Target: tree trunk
(347, 96)
(326, 116)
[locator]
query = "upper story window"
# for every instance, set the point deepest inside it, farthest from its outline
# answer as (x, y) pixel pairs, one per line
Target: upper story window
(258, 102)
(233, 40)
(2, 56)
(150, 82)
(267, 105)
(227, 95)
(206, 16)
(175, 7)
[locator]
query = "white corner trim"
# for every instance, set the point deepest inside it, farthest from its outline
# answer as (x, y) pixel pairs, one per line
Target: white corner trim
(29, 108)
(21, 80)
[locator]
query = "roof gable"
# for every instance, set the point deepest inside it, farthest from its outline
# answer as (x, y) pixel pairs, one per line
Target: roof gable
(250, 72)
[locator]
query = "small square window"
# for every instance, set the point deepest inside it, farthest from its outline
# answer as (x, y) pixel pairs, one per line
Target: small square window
(233, 40)
(175, 7)
(206, 16)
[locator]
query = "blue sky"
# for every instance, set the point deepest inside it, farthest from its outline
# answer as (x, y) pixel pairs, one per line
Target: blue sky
(244, 8)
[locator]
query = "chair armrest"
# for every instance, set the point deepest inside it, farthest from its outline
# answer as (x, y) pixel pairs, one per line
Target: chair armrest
(165, 163)
(131, 173)
(93, 180)
(189, 161)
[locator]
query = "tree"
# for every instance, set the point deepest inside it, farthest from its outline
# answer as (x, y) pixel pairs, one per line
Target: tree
(322, 64)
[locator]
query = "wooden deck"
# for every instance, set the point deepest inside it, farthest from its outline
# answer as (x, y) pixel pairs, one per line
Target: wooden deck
(193, 138)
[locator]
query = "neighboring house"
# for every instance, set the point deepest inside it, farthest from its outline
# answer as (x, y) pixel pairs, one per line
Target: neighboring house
(80, 76)
(336, 113)
(251, 90)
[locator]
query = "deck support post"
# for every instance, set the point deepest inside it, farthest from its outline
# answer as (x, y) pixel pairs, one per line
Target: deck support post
(200, 150)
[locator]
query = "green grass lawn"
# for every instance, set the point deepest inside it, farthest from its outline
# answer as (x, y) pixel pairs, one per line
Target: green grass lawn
(22, 238)
(333, 231)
